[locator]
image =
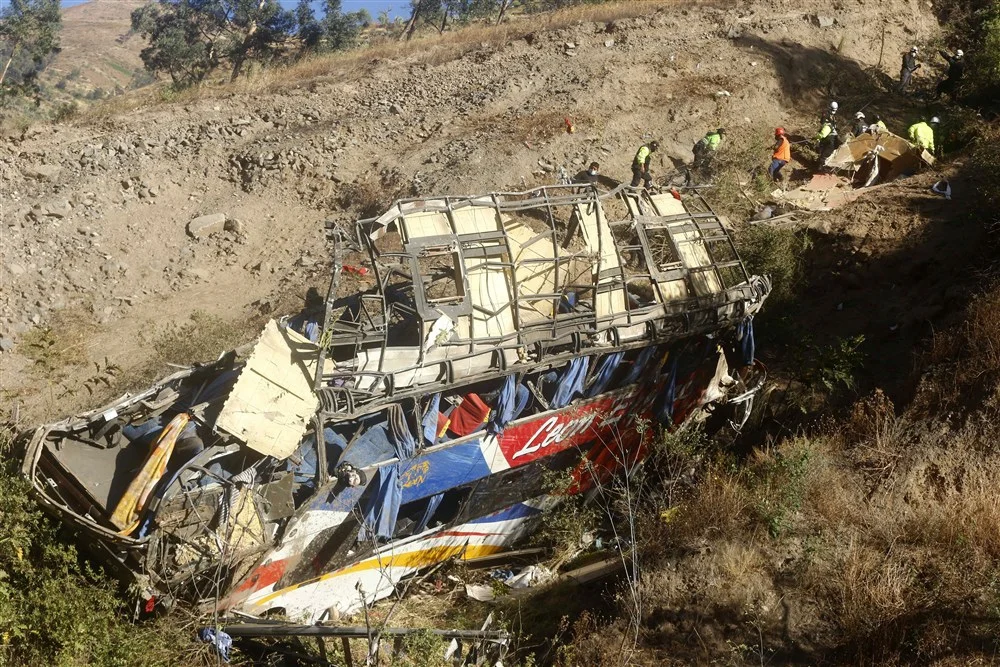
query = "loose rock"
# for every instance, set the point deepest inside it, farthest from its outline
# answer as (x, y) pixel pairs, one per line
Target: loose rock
(207, 224)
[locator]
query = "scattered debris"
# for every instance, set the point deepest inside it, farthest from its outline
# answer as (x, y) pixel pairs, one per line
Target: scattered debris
(220, 640)
(942, 188)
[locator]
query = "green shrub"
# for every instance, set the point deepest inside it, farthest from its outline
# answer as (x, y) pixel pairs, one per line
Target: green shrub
(55, 609)
(779, 253)
(778, 484)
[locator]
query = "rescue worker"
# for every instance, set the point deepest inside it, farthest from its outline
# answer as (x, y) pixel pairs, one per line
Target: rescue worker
(705, 149)
(589, 175)
(956, 68)
(860, 126)
(640, 165)
(922, 134)
(877, 125)
(910, 65)
(827, 139)
(782, 154)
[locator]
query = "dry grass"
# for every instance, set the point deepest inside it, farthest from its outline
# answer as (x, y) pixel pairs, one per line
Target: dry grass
(440, 48)
(433, 49)
(718, 509)
(876, 588)
(61, 343)
(877, 435)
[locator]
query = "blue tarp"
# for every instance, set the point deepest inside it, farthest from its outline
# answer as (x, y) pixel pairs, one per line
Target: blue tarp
(744, 332)
(383, 505)
(371, 447)
(402, 440)
(511, 401)
(432, 505)
(571, 384)
(640, 365)
(305, 467)
(605, 371)
(665, 411)
(429, 424)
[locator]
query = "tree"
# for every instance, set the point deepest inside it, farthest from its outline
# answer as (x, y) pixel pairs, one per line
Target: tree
(341, 30)
(439, 12)
(189, 38)
(181, 41)
(256, 28)
(309, 30)
(29, 36)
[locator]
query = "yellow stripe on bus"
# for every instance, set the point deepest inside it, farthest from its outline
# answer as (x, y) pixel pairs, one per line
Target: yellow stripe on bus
(413, 559)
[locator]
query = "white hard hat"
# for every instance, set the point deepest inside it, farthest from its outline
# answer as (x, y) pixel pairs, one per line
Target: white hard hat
(859, 115)
(834, 105)
(935, 120)
(913, 49)
(959, 53)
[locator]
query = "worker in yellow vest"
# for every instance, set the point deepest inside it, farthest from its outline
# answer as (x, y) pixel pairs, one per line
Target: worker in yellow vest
(640, 165)
(922, 134)
(706, 147)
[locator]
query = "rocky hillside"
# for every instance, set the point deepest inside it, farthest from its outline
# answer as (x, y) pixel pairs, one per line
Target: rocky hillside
(99, 57)
(97, 213)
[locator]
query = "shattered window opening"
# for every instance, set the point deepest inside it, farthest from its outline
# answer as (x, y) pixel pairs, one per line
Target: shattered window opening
(442, 275)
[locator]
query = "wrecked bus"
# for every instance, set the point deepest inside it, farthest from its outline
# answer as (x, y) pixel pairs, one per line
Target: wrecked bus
(413, 416)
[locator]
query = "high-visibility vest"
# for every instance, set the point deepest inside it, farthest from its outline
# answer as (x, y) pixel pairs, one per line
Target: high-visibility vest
(642, 155)
(784, 151)
(825, 131)
(712, 140)
(922, 135)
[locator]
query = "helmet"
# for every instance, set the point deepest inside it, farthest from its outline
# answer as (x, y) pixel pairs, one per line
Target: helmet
(834, 106)
(913, 49)
(653, 145)
(721, 130)
(935, 120)
(859, 115)
(779, 131)
(959, 53)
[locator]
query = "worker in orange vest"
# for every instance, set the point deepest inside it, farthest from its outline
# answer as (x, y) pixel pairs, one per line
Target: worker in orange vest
(782, 154)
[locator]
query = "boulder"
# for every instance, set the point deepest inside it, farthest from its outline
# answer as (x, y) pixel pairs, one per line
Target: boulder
(43, 172)
(206, 224)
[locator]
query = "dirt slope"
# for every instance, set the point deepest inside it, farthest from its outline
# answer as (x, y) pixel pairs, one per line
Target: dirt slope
(98, 55)
(94, 213)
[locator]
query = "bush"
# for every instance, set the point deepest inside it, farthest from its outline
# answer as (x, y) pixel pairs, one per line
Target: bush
(779, 253)
(55, 609)
(65, 112)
